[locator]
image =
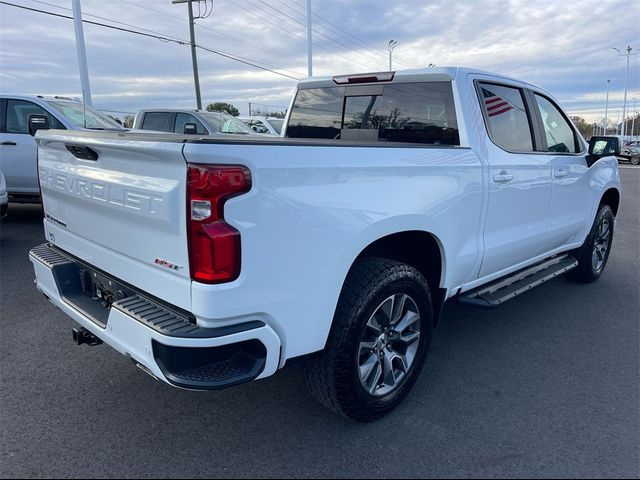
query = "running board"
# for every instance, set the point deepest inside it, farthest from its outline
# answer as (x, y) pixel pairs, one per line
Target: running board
(506, 288)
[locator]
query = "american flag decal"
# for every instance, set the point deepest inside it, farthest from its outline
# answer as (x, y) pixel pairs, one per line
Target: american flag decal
(495, 105)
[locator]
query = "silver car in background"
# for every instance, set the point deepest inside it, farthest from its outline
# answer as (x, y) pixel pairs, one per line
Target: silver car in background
(17, 146)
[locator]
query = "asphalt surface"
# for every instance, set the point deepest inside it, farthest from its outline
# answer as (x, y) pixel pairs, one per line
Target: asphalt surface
(547, 385)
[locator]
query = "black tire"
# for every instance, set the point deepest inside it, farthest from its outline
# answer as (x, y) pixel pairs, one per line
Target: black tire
(588, 270)
(635, 160)
(333, 376)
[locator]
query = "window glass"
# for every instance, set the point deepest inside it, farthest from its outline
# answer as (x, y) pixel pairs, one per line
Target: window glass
(84, 116)
(509, 123)
(412, 112)
(560, 135)
(416, 113)
(183, 118)
(276, 124)
(18, 112)
(258, 126)
(159, 121)
(317, 113)
(222, 122)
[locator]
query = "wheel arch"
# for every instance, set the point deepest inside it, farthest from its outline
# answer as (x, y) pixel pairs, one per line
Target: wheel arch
(611, 197)
(420, 249)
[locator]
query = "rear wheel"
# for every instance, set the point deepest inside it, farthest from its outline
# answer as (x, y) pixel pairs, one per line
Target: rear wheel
(378, 342)
(593, 255)
(635, 160)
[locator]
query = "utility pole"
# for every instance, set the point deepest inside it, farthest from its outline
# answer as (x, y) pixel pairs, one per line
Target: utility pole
(309, 41)
(390, 47)
(249, 108)
(626, 79)
(82, 53)
(194, 57)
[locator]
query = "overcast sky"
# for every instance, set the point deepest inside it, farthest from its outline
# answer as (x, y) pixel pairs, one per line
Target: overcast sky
(560, 45)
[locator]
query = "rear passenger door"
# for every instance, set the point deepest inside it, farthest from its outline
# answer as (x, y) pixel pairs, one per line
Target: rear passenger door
(571, 196)
(519, 179)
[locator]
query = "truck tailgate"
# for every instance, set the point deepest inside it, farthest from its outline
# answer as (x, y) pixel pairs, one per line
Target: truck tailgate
(122, 212)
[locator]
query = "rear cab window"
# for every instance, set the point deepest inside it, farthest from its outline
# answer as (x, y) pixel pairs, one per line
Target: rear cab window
(422, 113)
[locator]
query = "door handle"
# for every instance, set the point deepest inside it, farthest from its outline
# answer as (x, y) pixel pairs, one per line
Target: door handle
(503, 177)
(8, 143)
(560, 173)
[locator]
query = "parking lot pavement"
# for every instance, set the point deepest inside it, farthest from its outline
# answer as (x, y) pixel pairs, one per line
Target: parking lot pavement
(546, 385)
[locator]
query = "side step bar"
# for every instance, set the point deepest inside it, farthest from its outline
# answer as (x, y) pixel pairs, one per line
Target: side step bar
(506, 288)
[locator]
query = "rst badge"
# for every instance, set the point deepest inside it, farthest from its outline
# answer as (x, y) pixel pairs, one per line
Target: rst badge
(165, 264)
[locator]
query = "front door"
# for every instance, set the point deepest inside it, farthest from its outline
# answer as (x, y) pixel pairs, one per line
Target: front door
(18, 147)
(571, 195)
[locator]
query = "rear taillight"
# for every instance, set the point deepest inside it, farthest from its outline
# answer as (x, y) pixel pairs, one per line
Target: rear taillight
(214, 245)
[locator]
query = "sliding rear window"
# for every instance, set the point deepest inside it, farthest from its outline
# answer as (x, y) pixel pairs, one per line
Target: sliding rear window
(408, 112)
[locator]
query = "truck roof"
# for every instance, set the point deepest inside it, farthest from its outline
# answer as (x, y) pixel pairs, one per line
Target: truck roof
(432, 74)
(46, 98)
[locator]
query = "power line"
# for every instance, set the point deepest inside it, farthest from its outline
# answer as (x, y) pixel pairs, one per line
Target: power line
(335, 30)
(156, 36)
(177, 19)
(318, 33)
(103, 18)
(281, 28)
(267, 105)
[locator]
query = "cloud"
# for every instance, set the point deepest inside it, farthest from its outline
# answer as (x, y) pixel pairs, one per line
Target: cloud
(564, 48)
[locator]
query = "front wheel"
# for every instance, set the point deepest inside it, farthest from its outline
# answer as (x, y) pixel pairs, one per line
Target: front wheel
(635, 160)
(593, 255)
(378, 342)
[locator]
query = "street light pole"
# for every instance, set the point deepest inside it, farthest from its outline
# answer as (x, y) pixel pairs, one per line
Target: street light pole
(194, 57)
(633, 119)
(390, 47)
(82, 53)
(606, 110)
(626, 78)
(309, 41)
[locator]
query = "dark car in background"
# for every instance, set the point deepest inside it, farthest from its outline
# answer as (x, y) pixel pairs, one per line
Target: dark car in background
(630, 154)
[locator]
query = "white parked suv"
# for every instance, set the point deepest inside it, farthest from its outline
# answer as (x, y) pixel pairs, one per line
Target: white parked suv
(17, 146)
(212, 261)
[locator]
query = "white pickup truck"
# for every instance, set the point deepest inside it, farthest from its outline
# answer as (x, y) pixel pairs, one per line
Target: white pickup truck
(214, 260)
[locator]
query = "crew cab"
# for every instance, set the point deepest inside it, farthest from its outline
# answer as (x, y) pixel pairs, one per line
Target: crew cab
(215, 260)
(17, 146)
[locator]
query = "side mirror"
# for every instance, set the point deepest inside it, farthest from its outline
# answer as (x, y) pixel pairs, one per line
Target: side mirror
(38, 121)
(190, 129)
(602, 147)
